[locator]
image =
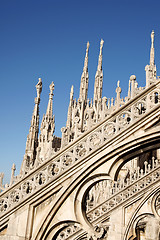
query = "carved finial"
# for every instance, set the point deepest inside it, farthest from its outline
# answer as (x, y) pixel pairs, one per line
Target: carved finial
(132, 80)
(47, 129)
(49, 111)
(129, 89)
(70, 109)
(13, 167)
(32, 138)
(118, 91)
(98, 78)
(51, 88)
(100, 56)
(152, 49)
(87, 46)
(101, 46)
(152, 39)
(71, 93)
(85, 69)
(39, 87)
(84, 79)
(108, 103)
(112, 100)
(12, 173)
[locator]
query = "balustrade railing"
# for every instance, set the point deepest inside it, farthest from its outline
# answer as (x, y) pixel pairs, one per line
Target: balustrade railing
(120, 191)
(86, 144)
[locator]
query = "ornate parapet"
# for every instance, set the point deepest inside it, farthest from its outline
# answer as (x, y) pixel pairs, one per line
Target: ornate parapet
(121, 191)
(132, 112)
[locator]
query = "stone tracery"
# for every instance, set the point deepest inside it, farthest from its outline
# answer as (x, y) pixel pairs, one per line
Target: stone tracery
(157, 205)
(91, 126)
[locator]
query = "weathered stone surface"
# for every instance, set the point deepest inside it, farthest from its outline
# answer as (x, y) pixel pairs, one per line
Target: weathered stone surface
(101, 180)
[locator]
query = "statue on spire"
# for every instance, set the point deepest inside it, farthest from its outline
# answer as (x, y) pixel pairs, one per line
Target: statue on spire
(39, 87)
(152, 49)
(49, 111)
(100, 56)
(51, 87)
(151, 68)
(152, 38)
(118, 91)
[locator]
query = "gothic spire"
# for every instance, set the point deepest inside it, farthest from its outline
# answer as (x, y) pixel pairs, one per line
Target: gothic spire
(99, 68)
(47, 129)
(48, 124)
(151, 68)
(152, 62)
(85, 68)
(49, 111)
(99, 77)
(84, 78)
(71, 94)
(32, 138)
(69, 116)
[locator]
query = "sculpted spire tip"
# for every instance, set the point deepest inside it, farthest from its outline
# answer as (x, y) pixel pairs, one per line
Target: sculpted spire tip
(49, 111)
(32, 138)
(152, 62)
(88, 46)
(39, 87)
(100, 56)
(101, 46)
(85, 69)
(51, 87)
(84, 78)
(152, 39)
(99, 77)
(118, 89)
(71, 93)
(150, 69)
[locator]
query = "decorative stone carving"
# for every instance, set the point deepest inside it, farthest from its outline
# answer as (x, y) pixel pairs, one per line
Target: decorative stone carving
(157, 205)
(148, 228)
(41, 178)
(14, 197)
(95, 139)
(106, 195)
(54, 168)
(110, 129)
(100, 232)
(67, 231)
(67, 160)
(80, 150)
(91, 126)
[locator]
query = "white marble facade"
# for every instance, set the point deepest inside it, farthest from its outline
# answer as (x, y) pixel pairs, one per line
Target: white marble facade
(101, 180)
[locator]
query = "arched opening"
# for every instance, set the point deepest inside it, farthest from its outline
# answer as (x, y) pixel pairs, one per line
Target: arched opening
(156, 98)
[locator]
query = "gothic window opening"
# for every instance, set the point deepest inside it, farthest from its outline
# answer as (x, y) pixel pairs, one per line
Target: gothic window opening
(156, 98)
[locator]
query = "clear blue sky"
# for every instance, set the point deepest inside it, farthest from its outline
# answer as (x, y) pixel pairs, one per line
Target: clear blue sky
(48, 39)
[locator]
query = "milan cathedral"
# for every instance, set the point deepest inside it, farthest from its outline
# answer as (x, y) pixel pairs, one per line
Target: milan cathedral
(101, 179)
